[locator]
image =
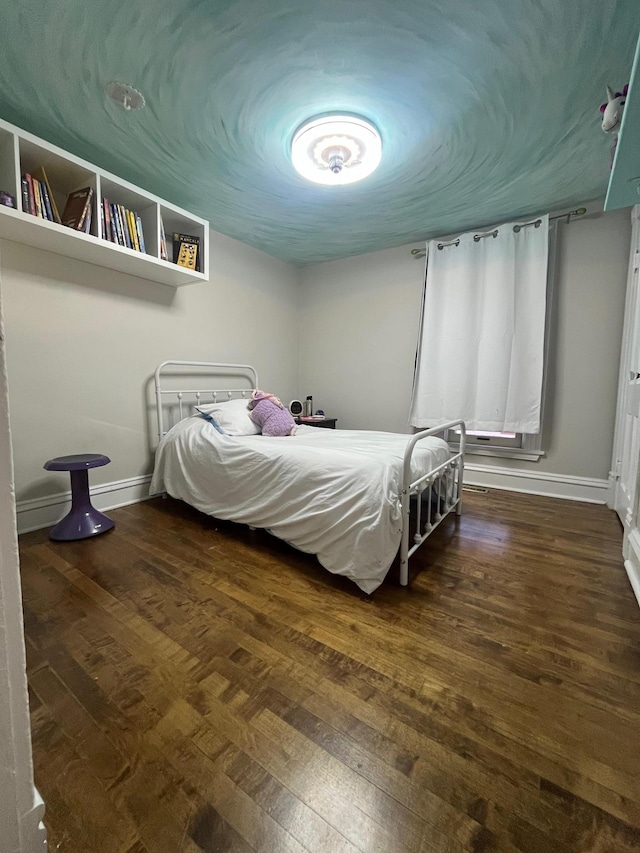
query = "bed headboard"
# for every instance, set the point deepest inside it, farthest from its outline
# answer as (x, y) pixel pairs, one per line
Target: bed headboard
(188, 383)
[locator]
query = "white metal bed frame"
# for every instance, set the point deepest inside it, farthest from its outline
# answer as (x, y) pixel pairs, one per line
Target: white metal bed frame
(440, 490)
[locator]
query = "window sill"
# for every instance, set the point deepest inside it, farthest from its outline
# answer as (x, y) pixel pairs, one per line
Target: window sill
(507, 452)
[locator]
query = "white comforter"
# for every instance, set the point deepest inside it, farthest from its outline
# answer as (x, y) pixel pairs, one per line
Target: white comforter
(333, 493)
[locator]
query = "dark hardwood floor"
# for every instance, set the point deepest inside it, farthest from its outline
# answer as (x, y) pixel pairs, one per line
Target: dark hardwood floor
(196, 686)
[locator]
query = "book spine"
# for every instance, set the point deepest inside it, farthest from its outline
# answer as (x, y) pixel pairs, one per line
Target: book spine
(163, 242)
(140, 234)
(36, 195)
(133, 231)
(24, 185)
(114, 226)
(125, 230)
(47, 201)
(134, 228)
(103, 222)
(85, 211)
(125, 227)
(32, 198)
(115, 219)
(108, 234)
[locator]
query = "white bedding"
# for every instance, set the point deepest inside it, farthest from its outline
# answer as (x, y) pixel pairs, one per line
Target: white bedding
(333, 493)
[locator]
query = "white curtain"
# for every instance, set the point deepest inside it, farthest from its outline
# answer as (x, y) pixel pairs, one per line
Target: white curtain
(481, 347)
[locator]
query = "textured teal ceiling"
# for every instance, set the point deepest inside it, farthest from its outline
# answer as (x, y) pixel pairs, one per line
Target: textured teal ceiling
(488, 109)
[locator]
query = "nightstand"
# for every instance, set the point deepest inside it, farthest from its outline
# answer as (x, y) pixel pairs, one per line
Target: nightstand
(328, 423)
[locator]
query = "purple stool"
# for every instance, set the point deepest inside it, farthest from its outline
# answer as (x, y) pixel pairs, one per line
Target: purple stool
(83, 519)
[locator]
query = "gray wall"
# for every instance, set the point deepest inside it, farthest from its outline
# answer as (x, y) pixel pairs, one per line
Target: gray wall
(359, 320)
(83, 342)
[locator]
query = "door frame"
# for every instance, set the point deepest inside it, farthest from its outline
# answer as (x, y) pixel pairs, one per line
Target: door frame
(628, 513)
(21, 807)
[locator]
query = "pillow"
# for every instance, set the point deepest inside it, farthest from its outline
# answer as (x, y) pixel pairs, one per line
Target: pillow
(231, 417)
(211, 420)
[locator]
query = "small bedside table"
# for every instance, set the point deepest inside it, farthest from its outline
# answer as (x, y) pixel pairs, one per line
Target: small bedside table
(328, 423)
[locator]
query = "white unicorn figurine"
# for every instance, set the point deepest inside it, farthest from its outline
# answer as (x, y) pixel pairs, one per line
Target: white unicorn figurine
(612, 110)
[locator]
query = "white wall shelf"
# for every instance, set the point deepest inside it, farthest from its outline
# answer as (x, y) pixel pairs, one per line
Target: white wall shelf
(624, 181)
(21, 152)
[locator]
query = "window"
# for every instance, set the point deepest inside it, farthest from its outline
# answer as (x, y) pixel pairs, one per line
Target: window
(481, 343)
(517, 444)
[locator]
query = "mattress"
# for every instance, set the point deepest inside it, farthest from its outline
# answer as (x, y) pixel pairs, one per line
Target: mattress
(332, 493)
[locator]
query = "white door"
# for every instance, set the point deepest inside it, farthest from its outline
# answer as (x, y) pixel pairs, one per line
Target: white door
(624, 494)
(628, 451)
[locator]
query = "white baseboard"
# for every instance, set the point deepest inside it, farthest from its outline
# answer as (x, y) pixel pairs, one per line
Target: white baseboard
(37, 513)
(587, 489)
(634, 577)
(631, 552)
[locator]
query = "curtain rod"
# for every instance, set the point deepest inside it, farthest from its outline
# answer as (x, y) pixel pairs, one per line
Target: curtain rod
(579, 211)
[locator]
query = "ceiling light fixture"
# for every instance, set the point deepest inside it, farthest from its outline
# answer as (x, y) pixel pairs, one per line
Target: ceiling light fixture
(125, 95)
(336, 149)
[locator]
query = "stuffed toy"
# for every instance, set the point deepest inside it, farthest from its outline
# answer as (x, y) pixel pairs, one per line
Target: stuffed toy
(269, 413)
(612, 115)
(612, 110)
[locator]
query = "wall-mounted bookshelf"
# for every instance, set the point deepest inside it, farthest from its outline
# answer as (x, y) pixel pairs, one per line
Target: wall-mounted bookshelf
(22, 154)
(624, 181)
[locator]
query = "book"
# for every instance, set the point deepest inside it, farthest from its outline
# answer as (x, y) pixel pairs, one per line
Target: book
(24, 186)
(36, 195)
(140, 234)
(115, 228)
(86, 225)
(76, 208)
(123, 225)
(48, 210)
(114, 224)
(163, 242)
(87, 212)
(32, 199)
(41, 176)
(133, 231)
(185, 250)
(106, 231)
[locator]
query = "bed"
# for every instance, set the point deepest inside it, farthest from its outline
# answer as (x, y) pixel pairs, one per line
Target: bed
(351, 497)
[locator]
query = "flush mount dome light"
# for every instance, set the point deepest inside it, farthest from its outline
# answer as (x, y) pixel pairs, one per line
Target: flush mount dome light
(337, 149)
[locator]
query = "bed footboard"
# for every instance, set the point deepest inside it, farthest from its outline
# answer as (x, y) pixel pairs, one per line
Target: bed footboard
(438, 493)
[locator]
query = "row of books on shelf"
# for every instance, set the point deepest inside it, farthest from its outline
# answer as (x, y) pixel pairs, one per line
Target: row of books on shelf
(38, 200)
(119, 225)
(122, 226)
(37, 197)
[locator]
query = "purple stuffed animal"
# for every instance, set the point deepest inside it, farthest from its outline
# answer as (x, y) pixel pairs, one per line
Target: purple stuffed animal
(268, 412)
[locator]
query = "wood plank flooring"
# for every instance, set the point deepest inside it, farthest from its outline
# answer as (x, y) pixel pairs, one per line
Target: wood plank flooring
(196, 686)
